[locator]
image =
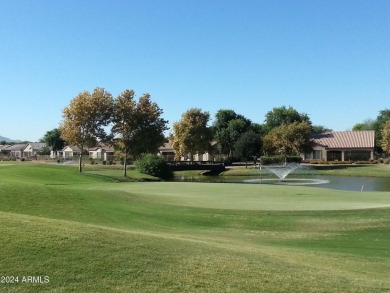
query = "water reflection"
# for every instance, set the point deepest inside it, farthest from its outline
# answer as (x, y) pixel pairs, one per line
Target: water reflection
(333, 182)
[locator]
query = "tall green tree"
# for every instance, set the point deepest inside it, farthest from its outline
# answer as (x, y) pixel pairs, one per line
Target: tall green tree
(191, 134)
(228, 126)
(137, 126)
(249, 145)
(53, 139)
(288, 139)
(282, 116)
(85, 119)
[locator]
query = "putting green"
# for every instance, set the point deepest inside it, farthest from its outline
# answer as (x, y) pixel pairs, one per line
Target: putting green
(252, 196)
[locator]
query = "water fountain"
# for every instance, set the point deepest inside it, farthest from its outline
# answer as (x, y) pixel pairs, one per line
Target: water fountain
(282, 171)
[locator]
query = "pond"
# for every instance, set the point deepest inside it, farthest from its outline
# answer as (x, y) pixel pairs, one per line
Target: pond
(333, 182)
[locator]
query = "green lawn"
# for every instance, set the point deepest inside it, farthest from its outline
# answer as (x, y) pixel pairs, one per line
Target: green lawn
(89, 233)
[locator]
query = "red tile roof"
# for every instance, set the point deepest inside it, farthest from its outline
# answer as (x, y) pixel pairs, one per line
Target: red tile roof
(346, 139)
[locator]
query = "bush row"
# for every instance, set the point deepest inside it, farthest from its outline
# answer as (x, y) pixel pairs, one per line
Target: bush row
(348, 162)
(7, 158)
(271, 160)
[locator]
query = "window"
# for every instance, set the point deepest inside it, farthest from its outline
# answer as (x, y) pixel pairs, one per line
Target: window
(317, 155)
(314, 155)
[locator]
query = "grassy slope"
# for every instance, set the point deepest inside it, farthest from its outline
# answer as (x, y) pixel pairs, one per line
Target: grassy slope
(91, 235)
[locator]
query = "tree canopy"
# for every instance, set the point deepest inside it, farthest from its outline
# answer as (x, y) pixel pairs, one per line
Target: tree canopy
(53, 139)
(85, 118)
(191, 134)
(228, 126)
(385, 134)
(288, 139)
(247, 146)
(137, 126)
(320, 129)
(368, 124)
(282, 116)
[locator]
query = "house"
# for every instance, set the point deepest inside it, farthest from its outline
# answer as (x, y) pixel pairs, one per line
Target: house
(32, 149)
(103, 152)
(69, 152)
(15, 150)
(167, 151)
(3, 147)
(342, 146)
(203, 157)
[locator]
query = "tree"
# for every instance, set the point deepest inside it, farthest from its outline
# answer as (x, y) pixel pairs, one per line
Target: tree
(191, 134)
(228, 127)
(381, 119)
(368, 124)
(247, 146)
(385, 134)
(154, 165)
(282, 116)
(320, 129)
(288, 139)
(44, 151)
(85, 118)
(137, 127)
(53, 139)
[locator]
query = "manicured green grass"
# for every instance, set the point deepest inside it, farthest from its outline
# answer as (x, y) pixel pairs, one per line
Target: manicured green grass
(374, 170)
(88, 233)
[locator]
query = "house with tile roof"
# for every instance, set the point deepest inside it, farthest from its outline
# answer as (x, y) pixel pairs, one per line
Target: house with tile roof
(103, 152)
(33, 148)
(69, 152)
(342, 146)
(15, 150)
(3, 147)
(167, 151)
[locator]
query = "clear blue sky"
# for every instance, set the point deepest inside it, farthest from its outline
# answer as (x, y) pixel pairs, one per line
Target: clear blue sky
(329, 59)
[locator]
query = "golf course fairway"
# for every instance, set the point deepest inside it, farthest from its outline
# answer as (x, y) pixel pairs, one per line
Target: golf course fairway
(62, 231)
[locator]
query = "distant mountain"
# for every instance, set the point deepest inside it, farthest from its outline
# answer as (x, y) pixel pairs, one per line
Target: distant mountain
(8, 139)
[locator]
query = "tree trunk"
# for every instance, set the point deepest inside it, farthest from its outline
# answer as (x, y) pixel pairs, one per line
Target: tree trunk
(81, 161)
(125, 165)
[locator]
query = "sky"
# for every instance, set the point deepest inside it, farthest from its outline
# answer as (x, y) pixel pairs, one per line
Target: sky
(329, 59)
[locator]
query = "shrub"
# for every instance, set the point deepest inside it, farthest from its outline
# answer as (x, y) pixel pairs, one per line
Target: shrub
(386, 161)
(341, 162)
(271, 160)
(104, 162)
(154, 165)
